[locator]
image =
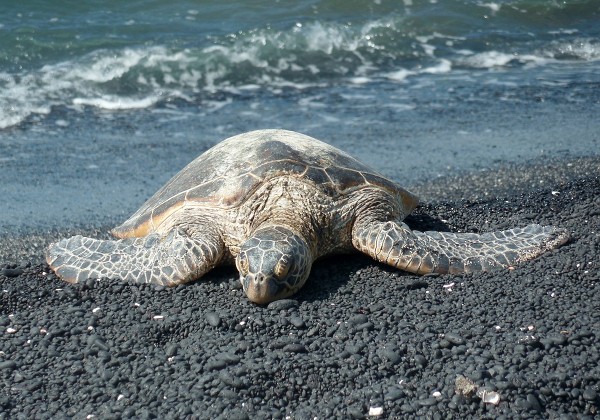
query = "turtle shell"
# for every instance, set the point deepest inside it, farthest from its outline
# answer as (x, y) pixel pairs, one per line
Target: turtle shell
(226, 174)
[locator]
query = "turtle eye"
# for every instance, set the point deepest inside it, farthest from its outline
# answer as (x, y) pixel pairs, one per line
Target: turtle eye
(242, 263)
(282, 267)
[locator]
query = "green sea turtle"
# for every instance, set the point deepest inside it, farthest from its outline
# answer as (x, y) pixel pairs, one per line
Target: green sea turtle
(274, 201)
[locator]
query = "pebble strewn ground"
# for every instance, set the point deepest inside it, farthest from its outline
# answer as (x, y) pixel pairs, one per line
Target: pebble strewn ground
(359, 339)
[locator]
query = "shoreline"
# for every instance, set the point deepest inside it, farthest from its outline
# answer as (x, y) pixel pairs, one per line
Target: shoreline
(358, 337)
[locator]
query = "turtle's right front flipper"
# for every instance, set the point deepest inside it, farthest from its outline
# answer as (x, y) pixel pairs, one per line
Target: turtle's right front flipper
(167, 261)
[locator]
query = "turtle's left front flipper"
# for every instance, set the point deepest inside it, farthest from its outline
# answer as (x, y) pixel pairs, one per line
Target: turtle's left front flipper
(444, 252)
(170, 260)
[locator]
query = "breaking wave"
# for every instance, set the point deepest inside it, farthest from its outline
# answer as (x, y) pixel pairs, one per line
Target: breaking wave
(395, 48)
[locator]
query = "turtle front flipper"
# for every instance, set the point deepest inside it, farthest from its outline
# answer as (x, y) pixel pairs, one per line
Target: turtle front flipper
(170, 260)
(443, 252)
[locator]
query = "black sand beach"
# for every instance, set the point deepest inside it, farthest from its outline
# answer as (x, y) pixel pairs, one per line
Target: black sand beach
(359, 338)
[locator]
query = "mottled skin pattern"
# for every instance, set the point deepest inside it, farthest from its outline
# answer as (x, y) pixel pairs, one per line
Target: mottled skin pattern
(274, 201)
(273, 252)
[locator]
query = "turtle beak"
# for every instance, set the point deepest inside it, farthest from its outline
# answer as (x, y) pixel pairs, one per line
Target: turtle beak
(261, 289)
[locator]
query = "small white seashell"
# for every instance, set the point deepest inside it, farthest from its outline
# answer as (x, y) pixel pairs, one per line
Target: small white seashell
(11, 330)
(375, 411)
(489, 397)
(157, 317)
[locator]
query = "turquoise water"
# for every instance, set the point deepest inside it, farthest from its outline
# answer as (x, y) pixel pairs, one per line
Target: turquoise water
(63, 58)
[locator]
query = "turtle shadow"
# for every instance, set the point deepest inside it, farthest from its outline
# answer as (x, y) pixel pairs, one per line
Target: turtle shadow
(425, 222)
(330, 274)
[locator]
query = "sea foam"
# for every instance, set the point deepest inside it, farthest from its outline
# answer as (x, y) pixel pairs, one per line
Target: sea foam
(303, 56)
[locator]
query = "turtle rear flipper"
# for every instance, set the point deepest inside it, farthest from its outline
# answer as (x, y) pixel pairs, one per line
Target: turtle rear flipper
(443, 252)
(167, 261)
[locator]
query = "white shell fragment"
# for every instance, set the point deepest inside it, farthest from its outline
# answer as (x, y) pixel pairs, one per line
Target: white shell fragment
(448, 287)
(489, 397)
(375, 411)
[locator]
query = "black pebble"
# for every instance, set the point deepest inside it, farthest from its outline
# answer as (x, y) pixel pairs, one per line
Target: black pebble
(294, 348)
(589, 394)
(391, 355)
(427, 402)
(355, 412)
(394, 393)
(213, 319)
(454, 338)
(282, 304)
(172, 350)
(358, 319)
(420, 360)
(8, 365)
(533, 402)
(97, 341)
(297, 321)
(12, 272)
(417, 283)
(444, 343)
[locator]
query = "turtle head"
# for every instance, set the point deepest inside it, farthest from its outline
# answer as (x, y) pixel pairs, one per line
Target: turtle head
(274, 263)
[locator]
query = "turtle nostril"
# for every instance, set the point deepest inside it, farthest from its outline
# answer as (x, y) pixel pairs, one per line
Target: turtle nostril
(259, 278)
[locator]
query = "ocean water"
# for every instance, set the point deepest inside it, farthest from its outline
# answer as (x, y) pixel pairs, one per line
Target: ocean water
(101, 102)
(74, 57)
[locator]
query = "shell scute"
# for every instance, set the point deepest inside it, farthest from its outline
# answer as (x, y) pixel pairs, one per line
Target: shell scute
(344, 178)
(320, 177)
(235, 190)
(279, 167)
(210, 191)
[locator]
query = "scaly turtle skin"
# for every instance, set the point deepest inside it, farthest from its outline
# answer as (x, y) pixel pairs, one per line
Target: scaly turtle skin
(273, 201)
